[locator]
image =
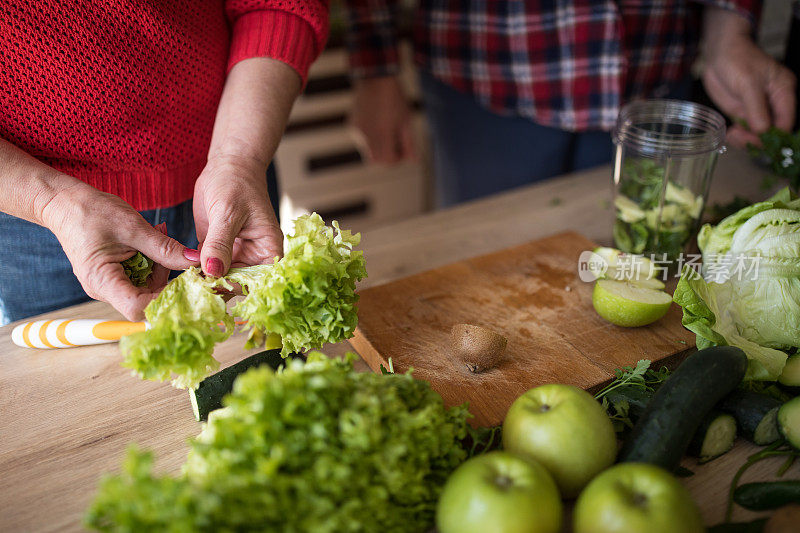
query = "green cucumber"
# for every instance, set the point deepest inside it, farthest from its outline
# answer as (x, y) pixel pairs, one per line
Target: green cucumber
(755, 413)
(767, 495)
(663, 433)
(791, 372)
(789, 421)
(714, 437)
(208, 394)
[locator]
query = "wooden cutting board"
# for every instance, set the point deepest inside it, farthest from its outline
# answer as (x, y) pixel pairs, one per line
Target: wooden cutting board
(531, 294)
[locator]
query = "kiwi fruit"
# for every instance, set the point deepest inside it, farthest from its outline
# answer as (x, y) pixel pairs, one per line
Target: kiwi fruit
(479, 348)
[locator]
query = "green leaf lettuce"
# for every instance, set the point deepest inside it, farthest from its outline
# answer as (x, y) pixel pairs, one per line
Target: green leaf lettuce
(314, 447)
(308, 297)
(187, 319)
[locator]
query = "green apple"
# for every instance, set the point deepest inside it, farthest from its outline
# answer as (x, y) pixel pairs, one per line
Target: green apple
(565, 429)
(628, 304)
(636, 498)
(611, 263)
(502, 493)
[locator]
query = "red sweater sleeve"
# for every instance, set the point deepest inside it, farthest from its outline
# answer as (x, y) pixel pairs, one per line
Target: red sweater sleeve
(291, 31)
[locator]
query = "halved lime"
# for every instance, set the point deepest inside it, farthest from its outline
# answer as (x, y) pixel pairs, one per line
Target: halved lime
(629, 304)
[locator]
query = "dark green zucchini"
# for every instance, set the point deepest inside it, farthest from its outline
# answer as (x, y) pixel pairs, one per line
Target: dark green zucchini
(791, 372)
(208, 395)
(755, 413)
(789, 421)
(714, 436)
(662, 434)
(767, 495)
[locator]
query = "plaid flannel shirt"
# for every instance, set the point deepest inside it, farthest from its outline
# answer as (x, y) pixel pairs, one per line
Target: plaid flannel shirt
(569, 64)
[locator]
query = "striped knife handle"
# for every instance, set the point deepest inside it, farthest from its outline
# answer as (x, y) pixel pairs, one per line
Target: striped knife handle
(68, 333)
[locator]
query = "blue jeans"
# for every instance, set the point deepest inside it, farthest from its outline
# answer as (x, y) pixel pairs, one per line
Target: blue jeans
(477, 152)
(35, 274)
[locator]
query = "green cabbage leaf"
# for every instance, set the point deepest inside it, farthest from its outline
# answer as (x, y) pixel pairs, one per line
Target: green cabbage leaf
(709, 312)
(749, 295)
(314, 447)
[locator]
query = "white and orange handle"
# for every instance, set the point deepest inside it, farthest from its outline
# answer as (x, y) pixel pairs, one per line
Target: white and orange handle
(67, 333)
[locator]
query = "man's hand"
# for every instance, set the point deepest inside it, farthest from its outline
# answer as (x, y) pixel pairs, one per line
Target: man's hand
(233, 216)
(97, 232)
(382, 119)
(742, 80)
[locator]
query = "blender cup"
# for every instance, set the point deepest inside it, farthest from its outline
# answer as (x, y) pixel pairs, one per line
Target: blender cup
(665, 154)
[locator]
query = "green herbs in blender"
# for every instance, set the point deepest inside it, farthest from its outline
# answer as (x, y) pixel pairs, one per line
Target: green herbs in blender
(645, 224)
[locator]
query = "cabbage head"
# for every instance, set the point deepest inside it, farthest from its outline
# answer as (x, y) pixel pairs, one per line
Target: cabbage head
(749, 295)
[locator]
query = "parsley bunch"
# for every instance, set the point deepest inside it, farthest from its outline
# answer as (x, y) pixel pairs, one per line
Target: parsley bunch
(630, 391)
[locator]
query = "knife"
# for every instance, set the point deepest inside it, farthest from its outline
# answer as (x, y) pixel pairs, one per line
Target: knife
(77, 332)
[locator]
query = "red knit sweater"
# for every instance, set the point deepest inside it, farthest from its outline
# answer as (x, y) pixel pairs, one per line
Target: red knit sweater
(122, 94)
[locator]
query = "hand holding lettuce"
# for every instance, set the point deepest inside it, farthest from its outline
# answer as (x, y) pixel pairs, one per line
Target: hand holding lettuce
(307, 297)
(757, 310)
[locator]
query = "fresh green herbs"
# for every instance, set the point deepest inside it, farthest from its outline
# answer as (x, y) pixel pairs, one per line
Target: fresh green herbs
(781, 151)
(313, 447)
(138, 269)
(648, 223)
(307, 298)
(627, 395)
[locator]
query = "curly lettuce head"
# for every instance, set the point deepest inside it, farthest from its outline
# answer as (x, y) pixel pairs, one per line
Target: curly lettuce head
(314, 447)
(186, 320)
(307, 297)
(750, 297)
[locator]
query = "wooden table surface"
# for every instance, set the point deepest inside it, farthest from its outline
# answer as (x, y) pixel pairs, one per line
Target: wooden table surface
(66, 416)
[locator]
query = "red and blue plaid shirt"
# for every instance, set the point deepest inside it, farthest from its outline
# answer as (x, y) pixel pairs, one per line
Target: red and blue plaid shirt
(569, 64)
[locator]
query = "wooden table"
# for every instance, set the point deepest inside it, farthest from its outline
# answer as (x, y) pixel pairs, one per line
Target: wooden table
(68, 415)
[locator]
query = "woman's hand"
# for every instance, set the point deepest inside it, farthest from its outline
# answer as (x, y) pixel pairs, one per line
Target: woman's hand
(98, 231)
(742, 80)
(381, 117)
(233, 216)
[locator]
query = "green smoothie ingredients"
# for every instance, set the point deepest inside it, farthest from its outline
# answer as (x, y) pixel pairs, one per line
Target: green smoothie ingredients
(751, 295)
(499, 492)
(307, 297)
(138, 269)
(314, 447)
(646, 223)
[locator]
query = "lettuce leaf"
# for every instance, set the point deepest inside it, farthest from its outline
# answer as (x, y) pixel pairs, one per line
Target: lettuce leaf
(315, 447)
(138, 268)
(710, 312)
(715, 241)
(185, 325)
(308, 297)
